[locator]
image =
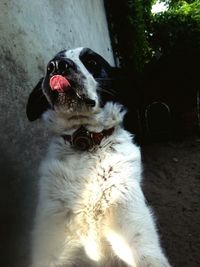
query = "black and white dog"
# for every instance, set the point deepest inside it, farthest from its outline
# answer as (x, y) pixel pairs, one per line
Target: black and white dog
(91, 209)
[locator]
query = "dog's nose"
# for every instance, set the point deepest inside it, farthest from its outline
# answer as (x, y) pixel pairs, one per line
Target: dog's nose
(59, 66)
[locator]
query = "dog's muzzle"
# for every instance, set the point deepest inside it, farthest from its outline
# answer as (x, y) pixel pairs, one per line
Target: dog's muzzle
(75, 94)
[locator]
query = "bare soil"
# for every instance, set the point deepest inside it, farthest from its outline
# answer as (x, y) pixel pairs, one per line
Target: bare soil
(172, 187)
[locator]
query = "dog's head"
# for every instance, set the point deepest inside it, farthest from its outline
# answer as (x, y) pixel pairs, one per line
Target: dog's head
(76, 81)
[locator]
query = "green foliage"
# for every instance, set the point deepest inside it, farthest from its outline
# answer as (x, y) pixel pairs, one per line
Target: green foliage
(177, 29)
(128, 21)
(138, 17)
(191, 8)
(139, 36)
(177, 3)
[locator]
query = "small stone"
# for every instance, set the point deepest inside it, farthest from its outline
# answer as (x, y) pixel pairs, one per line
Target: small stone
(175, 159)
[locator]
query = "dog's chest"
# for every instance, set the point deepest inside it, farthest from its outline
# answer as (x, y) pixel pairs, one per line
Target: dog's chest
(96, 179)
(87, 189)
(88, 184)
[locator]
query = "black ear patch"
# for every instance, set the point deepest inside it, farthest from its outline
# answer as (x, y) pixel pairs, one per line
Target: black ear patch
(37, 102)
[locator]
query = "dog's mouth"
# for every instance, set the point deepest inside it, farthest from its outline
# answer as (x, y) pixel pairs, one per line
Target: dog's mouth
(62, 91)
(64, 86)
(67, 92)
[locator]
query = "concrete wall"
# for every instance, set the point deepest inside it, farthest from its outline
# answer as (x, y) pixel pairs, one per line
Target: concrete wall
(31, 33)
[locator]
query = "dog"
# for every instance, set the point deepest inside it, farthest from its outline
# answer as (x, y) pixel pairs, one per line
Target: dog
(91, 209)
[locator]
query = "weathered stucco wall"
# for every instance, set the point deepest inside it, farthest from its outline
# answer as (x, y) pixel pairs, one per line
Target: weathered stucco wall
(31, 33)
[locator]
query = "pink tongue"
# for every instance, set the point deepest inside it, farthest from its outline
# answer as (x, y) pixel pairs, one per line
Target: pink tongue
(59, 83)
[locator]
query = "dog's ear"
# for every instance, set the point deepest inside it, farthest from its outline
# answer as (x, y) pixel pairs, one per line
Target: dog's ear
(37, 102)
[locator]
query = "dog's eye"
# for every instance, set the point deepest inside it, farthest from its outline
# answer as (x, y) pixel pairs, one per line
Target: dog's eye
(92, 63)
(93, 67)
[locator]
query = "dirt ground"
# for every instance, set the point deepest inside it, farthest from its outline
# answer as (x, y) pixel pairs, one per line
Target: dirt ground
(172, 187)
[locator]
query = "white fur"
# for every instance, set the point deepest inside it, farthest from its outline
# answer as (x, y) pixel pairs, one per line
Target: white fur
(91, 209)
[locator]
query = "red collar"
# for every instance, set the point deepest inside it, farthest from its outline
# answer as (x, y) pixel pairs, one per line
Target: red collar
(84, 140)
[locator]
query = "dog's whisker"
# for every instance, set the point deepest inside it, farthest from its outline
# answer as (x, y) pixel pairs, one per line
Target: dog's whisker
(104, 79)
(110, 92)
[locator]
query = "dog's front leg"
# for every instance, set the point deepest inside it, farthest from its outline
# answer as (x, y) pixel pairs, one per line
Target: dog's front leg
(132, 232)
(49, 239)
